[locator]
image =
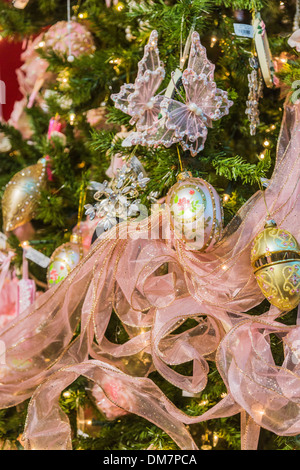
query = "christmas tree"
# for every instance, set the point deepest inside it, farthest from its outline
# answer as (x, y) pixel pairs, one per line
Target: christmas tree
(123, 110)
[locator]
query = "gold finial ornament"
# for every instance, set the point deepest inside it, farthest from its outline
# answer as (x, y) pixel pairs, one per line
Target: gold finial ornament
(275, 258)
(21, 196)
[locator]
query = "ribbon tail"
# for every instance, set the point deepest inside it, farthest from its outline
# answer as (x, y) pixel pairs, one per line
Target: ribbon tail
(249, 432)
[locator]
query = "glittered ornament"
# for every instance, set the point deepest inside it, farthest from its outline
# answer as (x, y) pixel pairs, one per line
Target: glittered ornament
(24, 232)
(21, 196)
(62, 33)
(5, 145)
(20, 4)
(64, 259)
(195, 212)
(275, 258)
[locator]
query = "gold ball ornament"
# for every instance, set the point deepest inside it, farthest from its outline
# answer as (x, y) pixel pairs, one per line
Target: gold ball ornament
(21, 196)
(64, 259)
(196, 213)
(275, 258)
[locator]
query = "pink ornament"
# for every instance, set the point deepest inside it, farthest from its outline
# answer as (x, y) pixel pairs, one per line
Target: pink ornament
(26, 294)
(59, 36)
(187, 122)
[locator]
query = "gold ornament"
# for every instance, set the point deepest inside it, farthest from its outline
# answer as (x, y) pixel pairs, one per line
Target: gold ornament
(64, 259)
(275, 258)
(21, 196)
